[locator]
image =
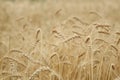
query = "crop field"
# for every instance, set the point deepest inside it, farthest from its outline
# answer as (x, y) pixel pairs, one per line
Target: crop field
(59, 39)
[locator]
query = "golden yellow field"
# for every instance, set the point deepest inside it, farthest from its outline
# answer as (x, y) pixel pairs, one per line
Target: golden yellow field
(59, 39)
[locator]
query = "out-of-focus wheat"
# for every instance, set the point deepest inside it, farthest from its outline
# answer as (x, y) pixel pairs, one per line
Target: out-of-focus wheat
(59, 40)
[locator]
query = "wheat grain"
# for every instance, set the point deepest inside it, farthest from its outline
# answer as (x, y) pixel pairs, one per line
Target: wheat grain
(58, 11)
(103, 32)
(118, 42)
(86, 41)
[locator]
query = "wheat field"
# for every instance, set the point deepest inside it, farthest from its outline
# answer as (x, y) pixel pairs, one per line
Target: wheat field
(59, 40)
